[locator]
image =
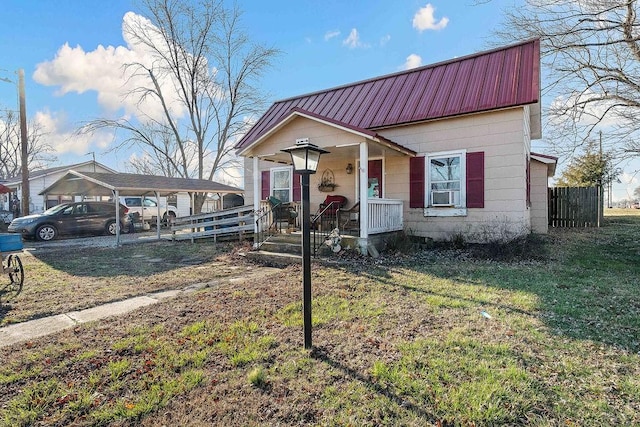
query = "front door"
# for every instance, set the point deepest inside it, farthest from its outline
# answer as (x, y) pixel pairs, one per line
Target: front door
(375, 178)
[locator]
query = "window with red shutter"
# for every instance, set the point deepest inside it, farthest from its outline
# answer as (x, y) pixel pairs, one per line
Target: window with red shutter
(281, 183)
(449, 183)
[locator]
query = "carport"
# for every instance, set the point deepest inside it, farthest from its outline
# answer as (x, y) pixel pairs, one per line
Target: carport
(127, 184)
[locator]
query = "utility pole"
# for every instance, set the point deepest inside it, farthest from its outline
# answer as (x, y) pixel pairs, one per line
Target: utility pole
(23, 142)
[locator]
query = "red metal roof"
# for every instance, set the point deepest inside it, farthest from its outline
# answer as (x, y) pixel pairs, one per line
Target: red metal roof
(500, 78)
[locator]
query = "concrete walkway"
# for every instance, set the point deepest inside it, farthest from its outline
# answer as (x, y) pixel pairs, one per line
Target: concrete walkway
(32, 329)
(26, 331)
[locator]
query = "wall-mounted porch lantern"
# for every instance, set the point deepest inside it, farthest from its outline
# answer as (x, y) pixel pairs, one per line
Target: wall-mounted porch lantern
(349, 169)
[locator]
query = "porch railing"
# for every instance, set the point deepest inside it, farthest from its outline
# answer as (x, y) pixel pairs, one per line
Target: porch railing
(384, 215)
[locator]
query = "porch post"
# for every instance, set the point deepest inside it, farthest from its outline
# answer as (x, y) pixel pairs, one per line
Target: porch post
(257, 192)
(157, 195)
(116, 196)
(364, 195)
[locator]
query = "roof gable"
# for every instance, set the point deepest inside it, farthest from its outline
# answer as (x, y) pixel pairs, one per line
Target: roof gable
(16, 180)
(100, 183)
(298, 112)
(496, 79)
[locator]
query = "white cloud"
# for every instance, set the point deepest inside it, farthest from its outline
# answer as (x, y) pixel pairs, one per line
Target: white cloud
(412, 61)
(103, 70)
(425, 19)
(584, 109)
(353, 40)
(625, 189)
(61, 136)
(384, 40)
(331, 34)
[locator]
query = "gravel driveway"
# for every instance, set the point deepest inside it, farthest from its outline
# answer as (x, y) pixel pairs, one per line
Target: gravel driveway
(96, 241)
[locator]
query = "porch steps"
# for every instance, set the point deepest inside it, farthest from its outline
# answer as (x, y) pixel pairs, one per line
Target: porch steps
(280, 249)
(286, 249)
(274, 258)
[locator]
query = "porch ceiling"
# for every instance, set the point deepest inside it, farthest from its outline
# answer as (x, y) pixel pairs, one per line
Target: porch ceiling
(348, 152)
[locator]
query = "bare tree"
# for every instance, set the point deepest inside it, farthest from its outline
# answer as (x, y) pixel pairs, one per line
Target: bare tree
(40, 153)
(591, 63)
(204, 76)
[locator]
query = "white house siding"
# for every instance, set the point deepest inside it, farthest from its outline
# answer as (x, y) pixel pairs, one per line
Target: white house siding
(539, 194)
(500, 135)
(38, 202)
(183, 204)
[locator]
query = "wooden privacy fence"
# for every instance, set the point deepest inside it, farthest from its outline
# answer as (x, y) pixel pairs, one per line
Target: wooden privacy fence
(575, 206)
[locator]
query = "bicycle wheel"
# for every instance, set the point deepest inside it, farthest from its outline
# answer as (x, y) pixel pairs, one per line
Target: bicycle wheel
(16, 273)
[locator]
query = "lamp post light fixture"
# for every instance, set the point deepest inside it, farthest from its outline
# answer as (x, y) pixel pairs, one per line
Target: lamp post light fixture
(305, 158)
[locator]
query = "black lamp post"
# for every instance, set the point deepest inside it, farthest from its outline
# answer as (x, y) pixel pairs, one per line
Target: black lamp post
(305, 158)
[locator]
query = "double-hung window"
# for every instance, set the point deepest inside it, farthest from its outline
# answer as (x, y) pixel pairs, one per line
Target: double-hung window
(445, 180)
(281, 184)
(446, 184)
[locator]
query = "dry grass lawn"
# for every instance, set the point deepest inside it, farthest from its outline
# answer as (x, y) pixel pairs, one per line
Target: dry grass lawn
(425, 337)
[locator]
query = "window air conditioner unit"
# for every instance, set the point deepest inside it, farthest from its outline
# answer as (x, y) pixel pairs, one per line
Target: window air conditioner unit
(443, 198)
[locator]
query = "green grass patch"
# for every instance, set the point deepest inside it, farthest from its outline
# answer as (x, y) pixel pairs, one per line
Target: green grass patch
(461, 379)
(330, 308)
(243, 344)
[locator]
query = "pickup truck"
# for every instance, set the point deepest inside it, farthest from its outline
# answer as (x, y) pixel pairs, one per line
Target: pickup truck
(147, 209)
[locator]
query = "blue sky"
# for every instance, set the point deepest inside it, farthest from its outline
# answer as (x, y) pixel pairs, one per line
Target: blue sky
(71, 51)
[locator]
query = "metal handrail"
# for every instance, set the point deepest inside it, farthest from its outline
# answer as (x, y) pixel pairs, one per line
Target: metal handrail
(266, 224)
(321, 225)
(260, 230)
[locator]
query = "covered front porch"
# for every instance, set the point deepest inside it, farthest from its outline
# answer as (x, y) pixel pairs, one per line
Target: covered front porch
(382, 216)
(354, 168)
(385, 216)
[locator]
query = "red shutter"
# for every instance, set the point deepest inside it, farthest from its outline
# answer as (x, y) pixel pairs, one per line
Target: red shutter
(528, 160)
(416, 182)
(297, 189)
(475, 180)
(266, 184)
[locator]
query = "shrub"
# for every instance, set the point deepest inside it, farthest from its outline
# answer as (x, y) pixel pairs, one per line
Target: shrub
(505, 240)
(401, 242)
(457, 241)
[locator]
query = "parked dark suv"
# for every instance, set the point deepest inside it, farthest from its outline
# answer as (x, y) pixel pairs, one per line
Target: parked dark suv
(71, 219)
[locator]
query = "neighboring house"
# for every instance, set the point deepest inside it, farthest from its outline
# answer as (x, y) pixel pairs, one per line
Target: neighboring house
(41, 179)
(447, 147)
